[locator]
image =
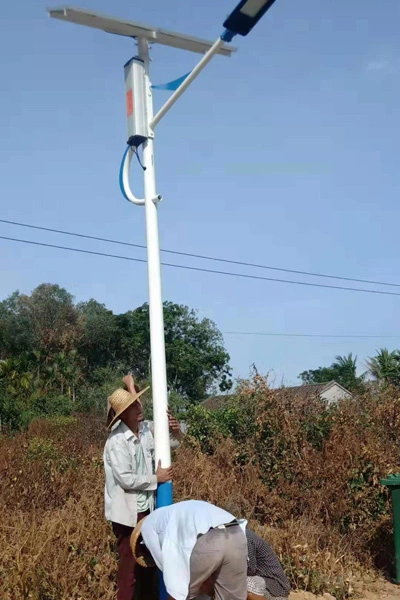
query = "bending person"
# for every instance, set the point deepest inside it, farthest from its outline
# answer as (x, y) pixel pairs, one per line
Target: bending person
(191, 542)
(265, 575)
(266, 578)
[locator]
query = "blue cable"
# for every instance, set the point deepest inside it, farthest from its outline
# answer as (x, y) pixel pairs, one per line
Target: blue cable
(121, 171)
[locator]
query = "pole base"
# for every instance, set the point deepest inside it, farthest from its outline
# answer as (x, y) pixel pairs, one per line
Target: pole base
(164, 494)
(164, 498)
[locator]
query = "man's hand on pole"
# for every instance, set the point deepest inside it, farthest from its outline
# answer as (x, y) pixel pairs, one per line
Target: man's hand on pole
(163, 475)
(174, 426)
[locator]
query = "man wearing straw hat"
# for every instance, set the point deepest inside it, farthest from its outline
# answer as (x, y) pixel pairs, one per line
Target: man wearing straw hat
(130, 478)
(193, 542)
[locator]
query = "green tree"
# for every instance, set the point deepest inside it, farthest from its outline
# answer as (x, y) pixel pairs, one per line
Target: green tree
(53, 318)
(38, 338)
(100, 336)
(196, 357)
(56, 351)
(64, 372)
(346, 369)
(16, 332)
(385, 366)
(17, 389)
(47, 321)
(343, 370)
(320, 375)
(133, 349)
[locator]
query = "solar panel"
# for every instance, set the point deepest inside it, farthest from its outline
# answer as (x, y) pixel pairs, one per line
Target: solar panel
(135, 30)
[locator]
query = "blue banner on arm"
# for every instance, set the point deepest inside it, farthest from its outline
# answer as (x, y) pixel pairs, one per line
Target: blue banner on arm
(171, 85)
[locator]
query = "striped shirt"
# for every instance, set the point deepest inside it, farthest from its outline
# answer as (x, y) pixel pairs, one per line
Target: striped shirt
(264, 563)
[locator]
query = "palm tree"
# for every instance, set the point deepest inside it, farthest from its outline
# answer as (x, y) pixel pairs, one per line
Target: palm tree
(346, 363)
(345, 371)
(385, 366)
(19, 381)
(10, 370)
(64, 373)
(7, 368)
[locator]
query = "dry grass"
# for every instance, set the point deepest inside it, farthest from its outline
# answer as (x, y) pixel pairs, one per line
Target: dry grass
(308, 483)
(54, 542)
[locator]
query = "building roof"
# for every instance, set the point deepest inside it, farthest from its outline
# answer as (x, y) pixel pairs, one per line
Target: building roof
(309, 389)
(298, 391)
(216, 402)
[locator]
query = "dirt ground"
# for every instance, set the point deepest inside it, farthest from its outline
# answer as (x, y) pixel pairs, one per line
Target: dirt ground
(380, 589)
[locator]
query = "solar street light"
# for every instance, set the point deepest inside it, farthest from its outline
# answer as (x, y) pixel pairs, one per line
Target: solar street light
(141, 124)
(246, 14)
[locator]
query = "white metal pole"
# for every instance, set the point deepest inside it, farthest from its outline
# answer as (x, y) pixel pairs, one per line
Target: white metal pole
(157, 342)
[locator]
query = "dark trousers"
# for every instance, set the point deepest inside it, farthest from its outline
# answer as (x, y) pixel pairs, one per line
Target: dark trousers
(129, 573)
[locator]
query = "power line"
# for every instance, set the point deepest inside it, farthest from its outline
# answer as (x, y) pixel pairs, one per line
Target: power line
(201, 256)
(202, 270)
(309, 335)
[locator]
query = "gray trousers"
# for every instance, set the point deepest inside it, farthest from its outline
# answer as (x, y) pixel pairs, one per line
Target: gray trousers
(220, 554)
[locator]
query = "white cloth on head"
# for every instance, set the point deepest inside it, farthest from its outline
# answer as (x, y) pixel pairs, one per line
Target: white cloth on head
(256, 585)
(170, 534)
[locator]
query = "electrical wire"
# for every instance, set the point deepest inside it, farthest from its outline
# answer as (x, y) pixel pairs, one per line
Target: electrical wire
(202, 256)
(202, 270)
(310, 335)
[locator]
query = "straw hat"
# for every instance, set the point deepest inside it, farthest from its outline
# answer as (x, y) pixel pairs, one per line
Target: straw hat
(120, 400)
(139, 550)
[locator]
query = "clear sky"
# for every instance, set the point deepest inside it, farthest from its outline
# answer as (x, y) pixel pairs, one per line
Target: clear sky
(286, 154)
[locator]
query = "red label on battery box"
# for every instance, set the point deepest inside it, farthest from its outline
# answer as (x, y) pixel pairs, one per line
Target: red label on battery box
(129, 102)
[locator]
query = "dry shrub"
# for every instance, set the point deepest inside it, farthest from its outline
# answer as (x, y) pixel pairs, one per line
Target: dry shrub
(306, 477)
(301, 468)
(315, 558)
(65, 553)
(216, 478)
(54, 541)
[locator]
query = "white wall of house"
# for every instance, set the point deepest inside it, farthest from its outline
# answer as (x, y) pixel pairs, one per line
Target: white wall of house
(334, 393)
